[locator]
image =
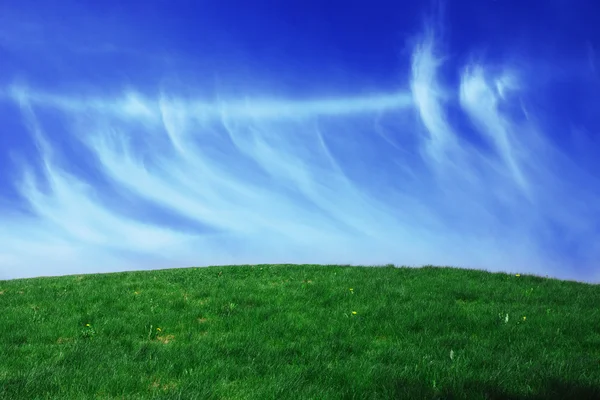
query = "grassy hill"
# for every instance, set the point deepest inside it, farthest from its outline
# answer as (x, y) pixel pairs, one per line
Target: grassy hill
(299, 332)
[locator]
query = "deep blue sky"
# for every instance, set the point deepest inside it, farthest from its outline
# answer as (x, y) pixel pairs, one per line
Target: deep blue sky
(179, 133)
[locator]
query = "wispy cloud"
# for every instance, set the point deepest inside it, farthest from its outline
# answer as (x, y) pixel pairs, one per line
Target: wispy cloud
(331, 180)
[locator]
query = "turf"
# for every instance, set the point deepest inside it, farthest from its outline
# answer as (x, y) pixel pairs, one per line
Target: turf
(299, 332)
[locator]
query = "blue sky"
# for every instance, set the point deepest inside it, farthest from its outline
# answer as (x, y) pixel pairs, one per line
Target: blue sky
(172, 134)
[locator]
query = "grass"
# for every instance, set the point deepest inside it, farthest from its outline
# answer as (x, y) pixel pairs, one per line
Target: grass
(299, 332)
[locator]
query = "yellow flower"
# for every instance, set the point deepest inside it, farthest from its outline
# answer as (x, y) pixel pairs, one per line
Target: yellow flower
(353, 312)
(517, 274)
(87, 324)
(158, 329)
(524, 318)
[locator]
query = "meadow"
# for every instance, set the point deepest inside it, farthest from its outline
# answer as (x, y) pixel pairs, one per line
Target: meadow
(299, 332)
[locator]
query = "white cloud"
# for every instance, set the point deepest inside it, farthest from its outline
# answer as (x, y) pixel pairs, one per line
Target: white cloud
(275, 180)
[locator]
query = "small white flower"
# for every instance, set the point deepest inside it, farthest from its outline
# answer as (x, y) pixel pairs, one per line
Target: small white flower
(506, 318)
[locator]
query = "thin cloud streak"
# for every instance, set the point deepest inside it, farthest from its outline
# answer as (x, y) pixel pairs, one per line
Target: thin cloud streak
(134, 105)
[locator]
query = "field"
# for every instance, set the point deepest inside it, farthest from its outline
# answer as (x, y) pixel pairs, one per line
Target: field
(299, 332)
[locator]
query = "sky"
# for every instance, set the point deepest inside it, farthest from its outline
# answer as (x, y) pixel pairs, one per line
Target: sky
(171, 134)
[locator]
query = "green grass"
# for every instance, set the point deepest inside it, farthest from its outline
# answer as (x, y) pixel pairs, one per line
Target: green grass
(299, 332)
